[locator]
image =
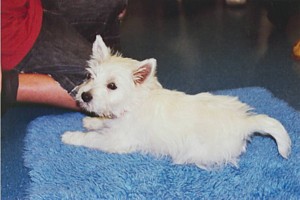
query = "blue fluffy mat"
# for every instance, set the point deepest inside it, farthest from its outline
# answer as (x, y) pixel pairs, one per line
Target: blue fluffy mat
(60, 171)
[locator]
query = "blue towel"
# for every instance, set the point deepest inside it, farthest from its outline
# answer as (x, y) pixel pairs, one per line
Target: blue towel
(60, 171)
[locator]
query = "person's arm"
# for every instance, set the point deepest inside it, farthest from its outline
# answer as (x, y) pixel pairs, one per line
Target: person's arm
(39, 88)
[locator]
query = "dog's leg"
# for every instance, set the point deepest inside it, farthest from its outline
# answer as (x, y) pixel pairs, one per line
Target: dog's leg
(109, 142)
(92, 123)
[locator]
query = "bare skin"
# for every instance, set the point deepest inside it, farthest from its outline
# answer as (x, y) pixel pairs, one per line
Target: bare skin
(42, 89)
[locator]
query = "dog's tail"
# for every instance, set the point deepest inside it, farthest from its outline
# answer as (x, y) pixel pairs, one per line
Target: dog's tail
(269, 126)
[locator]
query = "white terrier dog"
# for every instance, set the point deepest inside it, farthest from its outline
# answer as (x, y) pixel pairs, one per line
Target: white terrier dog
(137, 114)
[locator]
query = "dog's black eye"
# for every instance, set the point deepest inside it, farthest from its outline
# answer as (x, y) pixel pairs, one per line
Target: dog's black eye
(88, 76)
(111, 86)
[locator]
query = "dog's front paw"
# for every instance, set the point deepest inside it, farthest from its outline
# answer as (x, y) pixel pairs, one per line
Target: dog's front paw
(73, 138)
(92, 123)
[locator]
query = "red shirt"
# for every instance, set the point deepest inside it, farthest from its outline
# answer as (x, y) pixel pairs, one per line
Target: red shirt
(21, 22)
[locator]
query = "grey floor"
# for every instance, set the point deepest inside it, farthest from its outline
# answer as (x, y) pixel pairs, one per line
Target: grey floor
(200, 46)
(205, 45)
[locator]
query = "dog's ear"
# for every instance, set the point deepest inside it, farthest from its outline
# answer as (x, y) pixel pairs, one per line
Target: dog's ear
(146, 69)
(100, 50)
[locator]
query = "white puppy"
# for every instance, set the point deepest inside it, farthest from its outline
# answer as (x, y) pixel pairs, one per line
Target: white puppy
(137, 114)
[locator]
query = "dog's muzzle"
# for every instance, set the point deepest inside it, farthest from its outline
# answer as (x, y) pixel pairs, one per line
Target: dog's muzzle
(86, 97)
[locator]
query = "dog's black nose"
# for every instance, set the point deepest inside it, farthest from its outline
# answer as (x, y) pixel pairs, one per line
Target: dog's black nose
(86, 97)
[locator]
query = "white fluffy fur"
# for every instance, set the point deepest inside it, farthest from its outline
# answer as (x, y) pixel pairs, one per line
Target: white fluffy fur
(139, 115)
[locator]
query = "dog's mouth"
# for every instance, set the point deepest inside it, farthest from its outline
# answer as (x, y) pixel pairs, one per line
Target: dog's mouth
(104, 115)
(107, 116)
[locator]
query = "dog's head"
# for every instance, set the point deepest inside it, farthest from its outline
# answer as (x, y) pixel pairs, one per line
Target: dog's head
(115, 82)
